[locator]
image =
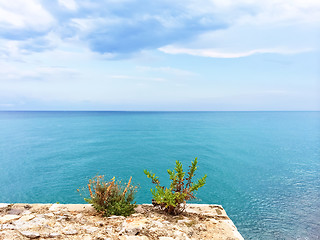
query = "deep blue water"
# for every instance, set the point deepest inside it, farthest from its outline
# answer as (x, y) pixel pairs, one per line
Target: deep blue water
(263, 167)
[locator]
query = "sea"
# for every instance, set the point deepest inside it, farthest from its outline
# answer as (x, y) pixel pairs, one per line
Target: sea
(262, 167)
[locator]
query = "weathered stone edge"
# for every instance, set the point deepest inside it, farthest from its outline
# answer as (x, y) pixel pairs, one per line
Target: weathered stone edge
(211, 210)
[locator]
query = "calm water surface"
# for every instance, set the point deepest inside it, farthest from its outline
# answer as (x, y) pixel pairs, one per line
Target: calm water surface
(263, 167)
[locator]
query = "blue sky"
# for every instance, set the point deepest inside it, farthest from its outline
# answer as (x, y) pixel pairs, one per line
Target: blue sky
(207, 55)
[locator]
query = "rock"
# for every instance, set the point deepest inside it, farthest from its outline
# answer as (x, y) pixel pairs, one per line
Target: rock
(70, 232)
(100, 237)
(15, 211)
(36, 222)
(54, 207)
(139, 209)
(157, 224)
(86, 237)
(10, 235)
(78, 207)
(99, 224)
(212, 220)
(67, 217)
(184, 221)
(57, 224)
(153, 229)
(3, 206)
(8, 218)
(178, 234)
(79, 217)
(132, 227)
(29, 234)
(44, 235)
(27, 206)
(135, 215)
(109, 229)
(60, 218)
(24, 224)
(26, 218)
(27, 212)
(133, 238)
(190, 234)
(8, 227)
(83, 224)
(238, 235)
(89, 229)
(54, 234)
(230, 223)
(201, 227)
(48, 215)
(116, 217)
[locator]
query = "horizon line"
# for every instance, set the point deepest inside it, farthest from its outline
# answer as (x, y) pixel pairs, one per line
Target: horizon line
(159, 110)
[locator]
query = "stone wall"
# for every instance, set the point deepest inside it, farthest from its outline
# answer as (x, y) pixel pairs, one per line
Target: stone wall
(81, 221)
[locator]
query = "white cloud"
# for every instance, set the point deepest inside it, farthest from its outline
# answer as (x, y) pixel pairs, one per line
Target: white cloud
(220, 54)
(283, 12)
(168, 70)
(258, 12)
(69, 4)
(255, 27)
(113, 29)
(9, 48)
(247, 27)
(87, 25)
(44, 73)
(142, 78)
(16, 50)
(62, 47)
(24, 14)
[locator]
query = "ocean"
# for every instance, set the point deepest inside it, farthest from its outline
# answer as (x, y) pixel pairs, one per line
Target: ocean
(262, 167)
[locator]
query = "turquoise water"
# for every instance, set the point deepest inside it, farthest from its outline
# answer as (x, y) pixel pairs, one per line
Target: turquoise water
(263, 167)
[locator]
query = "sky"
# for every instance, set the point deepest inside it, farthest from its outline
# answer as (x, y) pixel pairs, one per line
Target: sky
(190, 55)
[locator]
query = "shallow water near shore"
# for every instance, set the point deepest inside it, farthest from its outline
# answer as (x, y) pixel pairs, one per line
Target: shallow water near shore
(263, 167)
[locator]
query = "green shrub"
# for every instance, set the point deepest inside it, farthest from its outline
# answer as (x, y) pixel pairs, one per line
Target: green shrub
(173, 199)
(111, 198)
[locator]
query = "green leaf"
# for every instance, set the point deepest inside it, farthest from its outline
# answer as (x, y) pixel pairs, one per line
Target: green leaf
(180, 191)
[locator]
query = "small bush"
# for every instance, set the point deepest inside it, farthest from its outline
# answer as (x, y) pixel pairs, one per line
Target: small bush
(173, 199)
(111, 198)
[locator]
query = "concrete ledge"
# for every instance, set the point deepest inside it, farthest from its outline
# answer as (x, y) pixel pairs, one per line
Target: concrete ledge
(81, 221)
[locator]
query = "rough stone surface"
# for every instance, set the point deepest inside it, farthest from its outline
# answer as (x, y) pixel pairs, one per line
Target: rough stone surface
(133, 238)
(26, 218)
(70, 232)
(8, 226)
(81, 221)
(3, 206)
(54, 234)
(29, 234)
(15, 211)
(8, 218)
